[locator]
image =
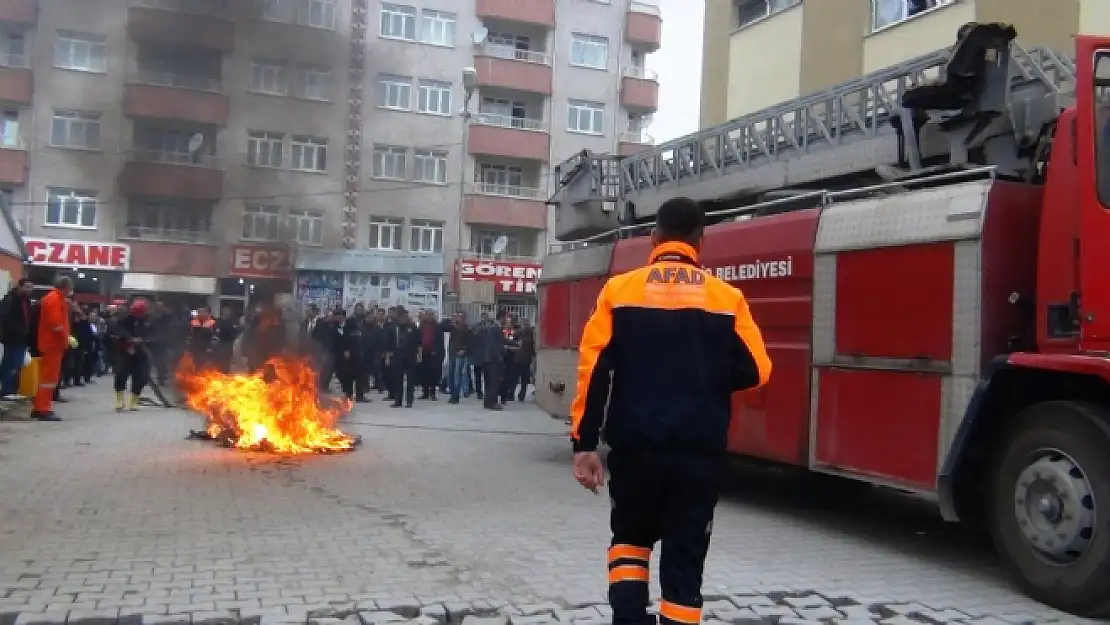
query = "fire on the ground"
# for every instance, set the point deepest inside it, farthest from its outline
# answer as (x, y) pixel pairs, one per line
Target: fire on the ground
(277, 410)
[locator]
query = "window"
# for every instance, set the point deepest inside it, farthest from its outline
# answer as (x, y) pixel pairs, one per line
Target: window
(313, 82)
(385, 233)
(589, 51)
(430, 166)
(887, 12)
(437, 28)
(13, 53)
(308, 227)
(435, 97)
(426, 236)
(75, 129)
(274, 10)
(270, 77)
(260, 222)
(168, 222)
(389, 162)
(588, 117)
(70, 208)
(79, 51)
(310, 154)
(1102, 126)
(264, 148)
(316, 13)
(9, 129)
(398, 22)
(509, 40)
(502, 112)
(500, 179)
(747, 11)
(395, 92)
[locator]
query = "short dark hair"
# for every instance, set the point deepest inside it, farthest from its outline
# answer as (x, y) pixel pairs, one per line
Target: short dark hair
(23, 281)
(680, 219)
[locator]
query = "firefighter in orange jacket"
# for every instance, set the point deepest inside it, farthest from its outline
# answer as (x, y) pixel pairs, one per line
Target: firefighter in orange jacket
(52, 340)
(667, 345)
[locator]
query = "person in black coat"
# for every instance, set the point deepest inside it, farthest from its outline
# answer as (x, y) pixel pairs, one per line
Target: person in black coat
(349, 359)
(404, 359)
(15, 334)
(226, 331)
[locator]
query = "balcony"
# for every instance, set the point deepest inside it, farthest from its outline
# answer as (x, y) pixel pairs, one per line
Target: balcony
(632, 142)
(639, 89)
(165, 95)
(510, 137)
(505, 206)
(168, 235)
(17, 83)
(13, 161)
(529, 259)
(179, 23)
(644, 26)
(19, 11)
(540, 12)
(505, 67)
(149, 173)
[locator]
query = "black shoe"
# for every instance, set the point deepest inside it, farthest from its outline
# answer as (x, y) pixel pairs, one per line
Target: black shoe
(362, 400)
(395, 405)
(61, 400)
(520, 398)
(480, 396)
(453, 400)
(408, 405)
(45, 416)
(495, 407)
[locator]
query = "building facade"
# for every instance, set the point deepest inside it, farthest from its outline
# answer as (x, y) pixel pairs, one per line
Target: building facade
(238, 147)
(843, 39)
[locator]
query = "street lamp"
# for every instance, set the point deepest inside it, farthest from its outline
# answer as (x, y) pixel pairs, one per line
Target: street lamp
(470, 85)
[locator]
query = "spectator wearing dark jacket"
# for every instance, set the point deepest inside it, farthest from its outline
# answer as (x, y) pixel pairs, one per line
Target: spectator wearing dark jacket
(15, 334)
(458, 348)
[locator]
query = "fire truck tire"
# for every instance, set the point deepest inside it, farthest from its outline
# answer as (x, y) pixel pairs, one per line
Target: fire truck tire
(1050, 505)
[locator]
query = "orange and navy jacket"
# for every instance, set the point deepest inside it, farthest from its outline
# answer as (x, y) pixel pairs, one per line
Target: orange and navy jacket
(53, 330)
(666, 346)
(201, 334)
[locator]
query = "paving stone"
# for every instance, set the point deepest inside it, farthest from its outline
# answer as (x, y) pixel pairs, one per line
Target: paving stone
(533, 609)
(851, 621)
(41, 618)
(215, 617)
(93, 617)
(167, 619)
(533, 619)
(807, 601)
(906, 608)
(857, 612)
(774, 610)
(436, 612)
(486, 620)
(818, 613)
(711, 608)
(407, 607)
(378, 617)
(901, 619)
(986, 620)
(790, 620)
(741, 616)
(747, 601)
(943, 616)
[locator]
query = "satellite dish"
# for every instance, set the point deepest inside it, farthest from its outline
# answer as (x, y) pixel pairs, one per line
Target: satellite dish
(195, 142)
(500, 244)
(479, 35)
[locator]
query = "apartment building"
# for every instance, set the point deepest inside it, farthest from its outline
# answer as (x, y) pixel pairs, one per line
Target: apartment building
(236, 148)
(839, 40)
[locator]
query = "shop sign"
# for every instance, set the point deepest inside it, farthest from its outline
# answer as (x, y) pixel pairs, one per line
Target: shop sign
(508, 278)
(254, 261)
(78, 254)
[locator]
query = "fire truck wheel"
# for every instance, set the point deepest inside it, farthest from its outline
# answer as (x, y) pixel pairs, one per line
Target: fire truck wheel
(1051, 476)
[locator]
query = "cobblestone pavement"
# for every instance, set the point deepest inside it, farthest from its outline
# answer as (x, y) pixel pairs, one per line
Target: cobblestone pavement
(444, 512)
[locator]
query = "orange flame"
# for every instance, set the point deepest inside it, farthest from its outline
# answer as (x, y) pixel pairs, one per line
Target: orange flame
(278, 412)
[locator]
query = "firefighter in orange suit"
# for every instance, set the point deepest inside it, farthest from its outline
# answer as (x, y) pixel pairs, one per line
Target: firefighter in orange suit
(667, 345)
(52, 339)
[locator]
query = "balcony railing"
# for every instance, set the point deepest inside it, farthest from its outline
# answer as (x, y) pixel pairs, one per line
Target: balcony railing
(505, 190)
(168, 235)
(642, 73)
(175, 158)
(18, 61)
(640, 137)
(171, 79)
(513, 54)
(651, 7)
(213, 8)
(508, 121)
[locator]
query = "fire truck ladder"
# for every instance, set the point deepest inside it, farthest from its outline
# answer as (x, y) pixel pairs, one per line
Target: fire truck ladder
(985, 101)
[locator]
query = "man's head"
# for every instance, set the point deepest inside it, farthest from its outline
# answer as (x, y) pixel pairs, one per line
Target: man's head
(338, 314)
(402, 315)
(227, 313)
(360, 310)
(524, 323)
(65, 285)
(203, 313)
(681, 220)
(312, 312)
(26, 285)
(139, 307)
(484, 317)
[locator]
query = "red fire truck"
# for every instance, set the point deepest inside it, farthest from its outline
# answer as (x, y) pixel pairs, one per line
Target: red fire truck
(927, 250)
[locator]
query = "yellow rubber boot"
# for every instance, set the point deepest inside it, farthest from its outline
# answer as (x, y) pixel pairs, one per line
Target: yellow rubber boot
(119, 401)
(133, 402)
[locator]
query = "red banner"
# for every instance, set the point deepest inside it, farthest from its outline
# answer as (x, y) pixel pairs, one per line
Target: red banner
(509, 278)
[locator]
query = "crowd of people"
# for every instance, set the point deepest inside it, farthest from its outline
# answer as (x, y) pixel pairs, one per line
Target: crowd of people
(389, 351)
(372, 349)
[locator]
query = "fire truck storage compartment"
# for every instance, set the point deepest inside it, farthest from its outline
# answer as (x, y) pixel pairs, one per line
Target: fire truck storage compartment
(554, 299)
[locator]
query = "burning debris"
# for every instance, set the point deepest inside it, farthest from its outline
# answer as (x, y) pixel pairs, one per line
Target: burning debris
(277, 412)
